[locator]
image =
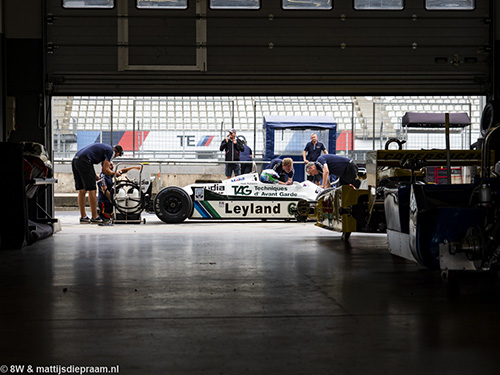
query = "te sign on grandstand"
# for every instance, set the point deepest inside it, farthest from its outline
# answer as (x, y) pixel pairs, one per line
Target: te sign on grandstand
(156, 140)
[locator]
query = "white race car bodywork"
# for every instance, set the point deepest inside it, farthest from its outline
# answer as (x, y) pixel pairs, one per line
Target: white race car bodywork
(249, 185)
(245, 197)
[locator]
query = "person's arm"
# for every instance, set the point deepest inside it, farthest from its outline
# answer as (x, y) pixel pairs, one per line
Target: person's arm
(104, 188)
(223, 144)
(289, 180)
(304, 157)
(326, 175)
(324, 148)
(290, 177)
(106, 191)
(239, 145)
(125, 170)
(106, 168)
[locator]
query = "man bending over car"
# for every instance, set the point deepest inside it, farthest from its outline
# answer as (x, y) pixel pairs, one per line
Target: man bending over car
(284, 168)
(330, 164)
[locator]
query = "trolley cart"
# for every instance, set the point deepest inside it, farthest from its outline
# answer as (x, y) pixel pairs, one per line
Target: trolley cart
(130, 196)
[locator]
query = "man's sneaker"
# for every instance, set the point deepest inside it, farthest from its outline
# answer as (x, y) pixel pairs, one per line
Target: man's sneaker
(97, 220)
(106, 223)
(84, 220)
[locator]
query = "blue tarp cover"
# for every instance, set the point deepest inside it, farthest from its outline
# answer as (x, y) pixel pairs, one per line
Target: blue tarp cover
(318, 123)
(271, 123)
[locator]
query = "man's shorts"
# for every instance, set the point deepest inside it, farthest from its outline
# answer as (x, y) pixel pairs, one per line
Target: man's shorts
(84, 174)
(350, 175)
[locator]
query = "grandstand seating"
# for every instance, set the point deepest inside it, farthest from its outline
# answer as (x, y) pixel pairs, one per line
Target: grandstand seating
(369, 117)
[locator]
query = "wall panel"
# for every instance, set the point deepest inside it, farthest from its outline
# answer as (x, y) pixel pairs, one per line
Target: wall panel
(340, 51)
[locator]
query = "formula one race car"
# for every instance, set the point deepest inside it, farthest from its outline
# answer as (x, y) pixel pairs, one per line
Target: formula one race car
(442, 226)
(241, 197)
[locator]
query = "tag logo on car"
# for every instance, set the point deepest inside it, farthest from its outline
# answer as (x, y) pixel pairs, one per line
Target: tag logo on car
(242, 190)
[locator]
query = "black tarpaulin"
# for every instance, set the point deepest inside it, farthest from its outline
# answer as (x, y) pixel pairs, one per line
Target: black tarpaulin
(435, 120)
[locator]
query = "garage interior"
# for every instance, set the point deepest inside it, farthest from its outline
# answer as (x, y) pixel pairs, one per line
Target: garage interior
(258, 297)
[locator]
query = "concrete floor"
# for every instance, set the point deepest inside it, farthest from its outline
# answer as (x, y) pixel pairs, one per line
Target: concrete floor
(238, 298)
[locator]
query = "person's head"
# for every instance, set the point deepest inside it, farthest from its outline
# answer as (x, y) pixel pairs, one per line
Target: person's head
(232, 133)
(287, 165)
(311, 169)
(118, 150)
(314, 138)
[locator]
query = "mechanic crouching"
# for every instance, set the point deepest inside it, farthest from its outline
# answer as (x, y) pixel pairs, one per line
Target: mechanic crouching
(284, 168)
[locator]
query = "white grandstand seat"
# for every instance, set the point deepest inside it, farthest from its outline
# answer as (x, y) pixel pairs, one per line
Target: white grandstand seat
(191, 113)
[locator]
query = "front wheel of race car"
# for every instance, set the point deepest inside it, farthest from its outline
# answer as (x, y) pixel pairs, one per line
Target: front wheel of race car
(173, 205)
(302, 211)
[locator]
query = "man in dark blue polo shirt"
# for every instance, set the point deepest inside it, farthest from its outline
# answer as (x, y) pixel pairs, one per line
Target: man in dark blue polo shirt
(85, 176)
(284, 168)
(245, 155)
(311, 153)
(344, 168)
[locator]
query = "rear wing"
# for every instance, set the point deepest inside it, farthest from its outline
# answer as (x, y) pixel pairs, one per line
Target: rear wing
(393, 158)
(436, 158)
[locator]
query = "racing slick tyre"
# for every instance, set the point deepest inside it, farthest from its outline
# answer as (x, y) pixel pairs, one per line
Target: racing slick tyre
(173, 205)
(489, 117)
(394, 140)
(302, 211)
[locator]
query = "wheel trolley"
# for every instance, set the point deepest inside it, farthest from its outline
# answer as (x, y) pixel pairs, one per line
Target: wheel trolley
(130, 195)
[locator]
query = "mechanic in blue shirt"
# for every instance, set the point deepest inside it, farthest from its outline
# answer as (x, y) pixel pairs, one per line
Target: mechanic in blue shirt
(85, 176)
(311, 153)
(245, 155)
(342, 167)
(104, 203)
(105, 195)
(284, 167)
